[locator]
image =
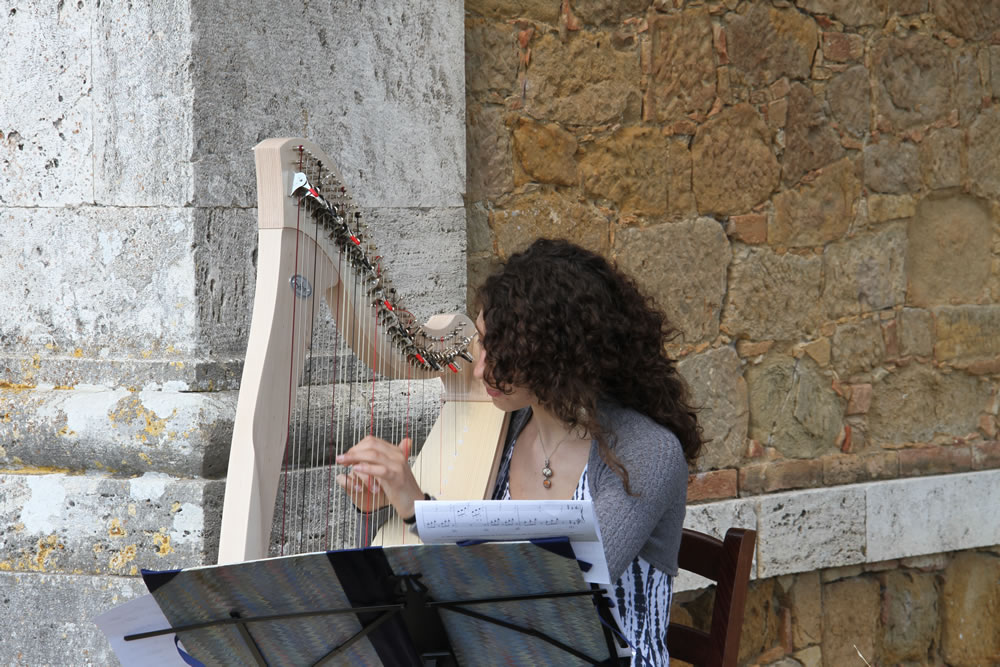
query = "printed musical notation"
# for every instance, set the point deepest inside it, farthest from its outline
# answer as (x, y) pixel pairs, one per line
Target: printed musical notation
(442, 521)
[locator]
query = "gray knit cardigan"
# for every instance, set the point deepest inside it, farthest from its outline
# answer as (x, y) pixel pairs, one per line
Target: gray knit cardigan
(648, 523)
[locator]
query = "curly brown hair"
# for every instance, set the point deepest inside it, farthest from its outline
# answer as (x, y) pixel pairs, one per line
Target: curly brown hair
(564, 323)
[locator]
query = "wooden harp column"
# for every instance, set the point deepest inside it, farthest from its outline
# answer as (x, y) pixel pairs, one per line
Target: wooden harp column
(303, 400)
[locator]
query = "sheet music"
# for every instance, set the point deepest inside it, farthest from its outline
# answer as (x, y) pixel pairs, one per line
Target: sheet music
(139, 615)
(442, 521)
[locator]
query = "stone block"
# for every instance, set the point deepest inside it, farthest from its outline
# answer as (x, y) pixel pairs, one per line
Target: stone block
(849, 95)
(882, 208)
(941, 158)
(477, 229)
(965, 335)
(719, 392)
(715, 519)
(892, 166)
(583, 81)
(898, 62)
(545, 152)
(225, 265)
(929, 515)
(712, 485)
(817, 212)
(916, 403)
(858, 347)
(630, 168)
(970, 603)
(390, 107)
(772, 296)
(973, 21)
(850, 12)
(118, 431)
(766, 43)
(805, 600)
(682, 80)
(46, 141)
(762, 623)
(124, 288)
(549, 215)
(491, 57)
(144, 105)
(48, 618)
(818, 350)
(55, 523)
(948, 250)
(860, 399)
(842, 47)
(850, 620)
(489, 158)
(810, 140)
(800, 531)
(986, 455)
(984, 161)
(916, 332)
(970, 88)
(750, 228)
(851, 469)
(734, 168)
(934, 460)
(781, 476)
(683, 267)
(793, 408)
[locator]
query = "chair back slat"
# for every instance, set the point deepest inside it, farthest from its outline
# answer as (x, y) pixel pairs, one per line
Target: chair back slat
(728, 563)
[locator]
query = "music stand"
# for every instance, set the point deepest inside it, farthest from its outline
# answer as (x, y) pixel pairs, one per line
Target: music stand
(440, 604)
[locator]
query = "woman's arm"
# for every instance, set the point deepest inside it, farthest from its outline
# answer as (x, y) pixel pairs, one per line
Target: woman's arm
(658, 476)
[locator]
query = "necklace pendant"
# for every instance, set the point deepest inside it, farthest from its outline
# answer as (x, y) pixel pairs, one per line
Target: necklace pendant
(546, 483)
(547, 471)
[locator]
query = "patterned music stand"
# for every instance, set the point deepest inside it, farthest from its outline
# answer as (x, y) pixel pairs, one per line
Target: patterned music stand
(443, 604)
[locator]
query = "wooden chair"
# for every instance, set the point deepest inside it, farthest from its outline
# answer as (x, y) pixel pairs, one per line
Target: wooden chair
(727, 563)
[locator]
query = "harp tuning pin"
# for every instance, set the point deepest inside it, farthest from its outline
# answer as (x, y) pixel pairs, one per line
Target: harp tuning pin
(465, 355)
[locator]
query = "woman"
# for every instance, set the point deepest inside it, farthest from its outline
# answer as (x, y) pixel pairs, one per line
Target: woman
(575, 352)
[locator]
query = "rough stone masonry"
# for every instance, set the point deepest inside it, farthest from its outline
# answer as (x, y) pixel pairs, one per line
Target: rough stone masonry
(811, 190)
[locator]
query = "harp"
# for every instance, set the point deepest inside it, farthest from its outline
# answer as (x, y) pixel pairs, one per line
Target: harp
(333, 355)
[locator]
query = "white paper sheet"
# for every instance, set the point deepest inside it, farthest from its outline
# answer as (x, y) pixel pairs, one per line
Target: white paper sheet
(505, 520)
(139, 615)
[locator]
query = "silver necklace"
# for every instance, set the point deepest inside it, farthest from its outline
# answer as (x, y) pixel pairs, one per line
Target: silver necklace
(547, 469)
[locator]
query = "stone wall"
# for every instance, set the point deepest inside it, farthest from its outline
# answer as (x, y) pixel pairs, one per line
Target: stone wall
(128, 245)
(810, 190)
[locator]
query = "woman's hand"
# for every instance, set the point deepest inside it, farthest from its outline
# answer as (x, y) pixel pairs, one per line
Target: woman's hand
(380, 473)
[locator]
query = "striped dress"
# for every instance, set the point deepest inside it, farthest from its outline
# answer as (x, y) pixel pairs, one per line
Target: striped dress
(643, 593)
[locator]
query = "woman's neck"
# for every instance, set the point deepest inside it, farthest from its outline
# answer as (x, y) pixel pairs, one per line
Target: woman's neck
(552, 428)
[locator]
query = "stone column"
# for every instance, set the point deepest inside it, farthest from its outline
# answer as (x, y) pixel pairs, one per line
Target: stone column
(128, 246)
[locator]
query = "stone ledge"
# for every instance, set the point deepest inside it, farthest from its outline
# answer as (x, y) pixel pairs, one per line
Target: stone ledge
(858, 524)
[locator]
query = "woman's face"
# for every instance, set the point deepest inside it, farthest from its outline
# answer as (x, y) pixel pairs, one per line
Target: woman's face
(516, 397)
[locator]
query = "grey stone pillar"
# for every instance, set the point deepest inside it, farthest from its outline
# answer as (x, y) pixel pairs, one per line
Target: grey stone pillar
(128, 248)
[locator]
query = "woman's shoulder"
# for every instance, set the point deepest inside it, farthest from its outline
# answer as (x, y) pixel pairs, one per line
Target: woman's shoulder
(632, 430)
(650, 452)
